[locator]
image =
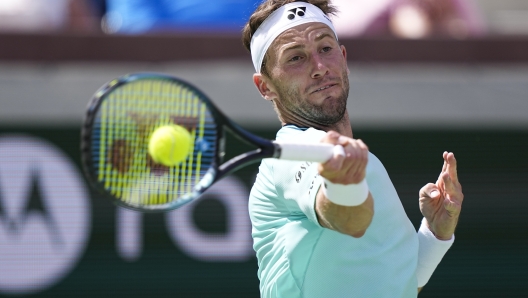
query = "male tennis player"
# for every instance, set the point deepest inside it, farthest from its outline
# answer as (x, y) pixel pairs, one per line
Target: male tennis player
(336, 229)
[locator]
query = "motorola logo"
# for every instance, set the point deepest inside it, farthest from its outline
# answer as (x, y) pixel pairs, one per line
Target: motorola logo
(298, 11)
(45, 219)
(44, 215)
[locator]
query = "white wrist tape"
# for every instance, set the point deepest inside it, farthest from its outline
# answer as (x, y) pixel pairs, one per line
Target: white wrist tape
(430, 253)
(346, 195)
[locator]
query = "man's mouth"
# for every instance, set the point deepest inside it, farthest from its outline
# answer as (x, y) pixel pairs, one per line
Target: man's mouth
(323, 88)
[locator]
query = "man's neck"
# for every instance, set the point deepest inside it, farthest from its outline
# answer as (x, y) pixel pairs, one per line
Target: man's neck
(343, 127)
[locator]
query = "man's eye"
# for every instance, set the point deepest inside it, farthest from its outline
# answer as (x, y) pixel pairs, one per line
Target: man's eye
(295, 58)
(326, 49)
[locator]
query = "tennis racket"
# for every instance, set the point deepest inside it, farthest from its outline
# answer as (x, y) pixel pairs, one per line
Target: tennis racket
(120, 119)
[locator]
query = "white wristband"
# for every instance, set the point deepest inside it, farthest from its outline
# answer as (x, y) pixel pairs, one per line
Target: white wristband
(430, 253)
(346, 195)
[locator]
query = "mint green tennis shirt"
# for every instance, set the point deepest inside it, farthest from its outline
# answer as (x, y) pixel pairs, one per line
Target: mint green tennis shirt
(299, 258)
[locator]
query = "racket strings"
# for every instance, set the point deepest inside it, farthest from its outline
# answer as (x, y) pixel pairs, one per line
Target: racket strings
(123, 125)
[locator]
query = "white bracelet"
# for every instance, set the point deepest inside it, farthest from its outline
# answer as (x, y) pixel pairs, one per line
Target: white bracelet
(346, 195)
(430, 253)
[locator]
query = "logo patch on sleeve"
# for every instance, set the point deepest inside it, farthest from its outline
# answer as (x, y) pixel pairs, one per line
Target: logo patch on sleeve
(302, 169)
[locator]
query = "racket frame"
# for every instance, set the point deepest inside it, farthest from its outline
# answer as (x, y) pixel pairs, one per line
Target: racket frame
(265, 148)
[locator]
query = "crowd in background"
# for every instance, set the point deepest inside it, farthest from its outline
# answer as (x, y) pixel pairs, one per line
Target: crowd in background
(357, 18)
(51, 15)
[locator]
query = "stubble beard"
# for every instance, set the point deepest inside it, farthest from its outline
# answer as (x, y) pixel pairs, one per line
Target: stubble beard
(330, 112)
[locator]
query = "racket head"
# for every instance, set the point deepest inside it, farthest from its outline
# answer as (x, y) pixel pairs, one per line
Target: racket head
(119, 120)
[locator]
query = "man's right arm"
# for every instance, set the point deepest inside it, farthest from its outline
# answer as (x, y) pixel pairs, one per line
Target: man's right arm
(352, 212)
(350, 220)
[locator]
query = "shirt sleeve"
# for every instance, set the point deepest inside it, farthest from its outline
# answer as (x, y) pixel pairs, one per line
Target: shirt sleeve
(299, 182)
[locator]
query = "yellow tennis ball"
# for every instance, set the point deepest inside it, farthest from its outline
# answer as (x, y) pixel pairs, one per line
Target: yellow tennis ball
(169, 145)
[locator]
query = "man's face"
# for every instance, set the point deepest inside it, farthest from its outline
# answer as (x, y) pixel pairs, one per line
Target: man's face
(308, 75)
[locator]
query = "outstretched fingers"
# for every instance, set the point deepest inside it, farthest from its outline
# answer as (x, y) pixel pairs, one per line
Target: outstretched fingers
(444, 156)
(451, 166)
(452, 188)
(441, 203)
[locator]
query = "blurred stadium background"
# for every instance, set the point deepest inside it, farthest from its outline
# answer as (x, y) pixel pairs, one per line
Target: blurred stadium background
(426, 76)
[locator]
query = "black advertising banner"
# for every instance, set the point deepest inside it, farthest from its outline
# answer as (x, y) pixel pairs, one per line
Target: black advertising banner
(60, 238)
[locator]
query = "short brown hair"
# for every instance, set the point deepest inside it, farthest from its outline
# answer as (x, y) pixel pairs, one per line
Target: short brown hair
(264, 10)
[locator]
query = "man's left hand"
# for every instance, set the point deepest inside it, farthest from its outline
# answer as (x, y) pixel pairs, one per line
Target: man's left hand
(441, 202)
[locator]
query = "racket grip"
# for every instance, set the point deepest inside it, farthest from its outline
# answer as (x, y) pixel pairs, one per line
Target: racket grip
(316, 152)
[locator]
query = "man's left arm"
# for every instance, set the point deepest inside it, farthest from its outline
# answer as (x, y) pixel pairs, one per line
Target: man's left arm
(440, 204)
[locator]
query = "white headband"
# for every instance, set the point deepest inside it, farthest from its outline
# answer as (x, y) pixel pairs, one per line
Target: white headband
(284, 18)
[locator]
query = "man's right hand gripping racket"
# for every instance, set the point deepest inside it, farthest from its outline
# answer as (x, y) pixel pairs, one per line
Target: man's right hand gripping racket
(120, 120)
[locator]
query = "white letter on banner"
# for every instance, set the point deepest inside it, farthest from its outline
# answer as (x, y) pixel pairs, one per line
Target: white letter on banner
(235, 245)
(129, 233)
(45, 215)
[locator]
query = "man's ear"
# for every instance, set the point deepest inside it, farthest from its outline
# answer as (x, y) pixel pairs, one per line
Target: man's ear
(264, 86)
(343, 50)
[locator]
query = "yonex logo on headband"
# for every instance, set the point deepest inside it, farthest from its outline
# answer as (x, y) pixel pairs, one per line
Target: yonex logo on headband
(286, 17)
(296, 11)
